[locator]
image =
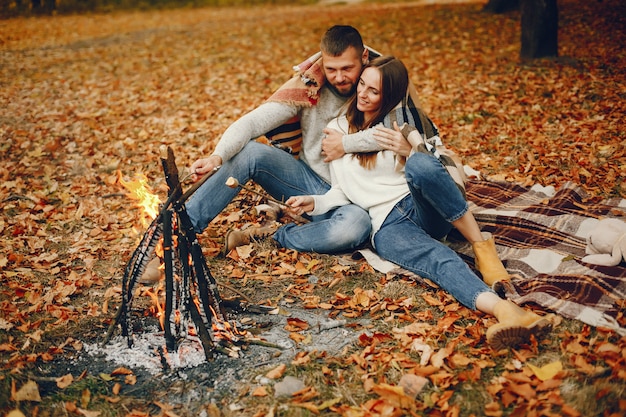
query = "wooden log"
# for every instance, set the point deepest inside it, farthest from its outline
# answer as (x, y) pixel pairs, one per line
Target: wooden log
(170, 341)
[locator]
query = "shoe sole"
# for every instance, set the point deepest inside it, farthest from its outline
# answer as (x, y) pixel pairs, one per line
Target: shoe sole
(513, 336)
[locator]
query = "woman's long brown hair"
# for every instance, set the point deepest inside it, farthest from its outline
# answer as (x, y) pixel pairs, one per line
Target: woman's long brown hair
(395, 81)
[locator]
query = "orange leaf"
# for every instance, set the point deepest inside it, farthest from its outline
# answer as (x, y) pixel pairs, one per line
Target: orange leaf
(65, 381)
(412, 384)
(581, 363)
(523, 390)
(122, 371)
(518, 377)
(301, 358)
(308, 406)
(460, 360)
(259, 392)
(297, 337)
(130, 379)
(7, 347)
(431, 300)
(493, 410)
(71, 406)
(277, 372)
(296, 324)
(549, 384)
(568, 410)
(305, 394)
(394, 395)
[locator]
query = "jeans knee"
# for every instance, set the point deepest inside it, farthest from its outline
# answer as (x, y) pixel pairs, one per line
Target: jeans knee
(352, 226)
(254, 152)
(421, 166)
(193, 209)
(342, 232)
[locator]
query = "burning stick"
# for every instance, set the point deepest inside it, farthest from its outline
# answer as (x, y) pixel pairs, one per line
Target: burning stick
(192, 299)
(172, 221)
(232, 182)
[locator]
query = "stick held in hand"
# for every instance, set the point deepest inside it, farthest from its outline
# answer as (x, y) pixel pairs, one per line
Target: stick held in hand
(232, 182)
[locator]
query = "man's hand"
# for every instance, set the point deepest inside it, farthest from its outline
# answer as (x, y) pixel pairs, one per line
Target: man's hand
(392, 139)
(332, 145)
(204, 165)
(300, 204)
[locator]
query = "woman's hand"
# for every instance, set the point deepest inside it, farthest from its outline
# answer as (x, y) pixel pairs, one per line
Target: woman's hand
(300, 204)
(392, 139)
(204, 165)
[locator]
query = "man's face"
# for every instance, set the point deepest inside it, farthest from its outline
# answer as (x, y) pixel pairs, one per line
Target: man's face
(343, 71)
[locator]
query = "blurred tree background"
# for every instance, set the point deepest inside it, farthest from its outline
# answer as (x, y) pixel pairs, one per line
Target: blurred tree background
(13, 8)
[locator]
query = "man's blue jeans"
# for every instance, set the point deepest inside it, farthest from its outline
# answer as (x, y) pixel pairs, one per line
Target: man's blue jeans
(282, 176)
(409, 236)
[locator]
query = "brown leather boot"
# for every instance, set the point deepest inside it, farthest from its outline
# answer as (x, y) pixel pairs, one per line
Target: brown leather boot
(516, 325)
(488, 262)
(271, 210)
(235, 238)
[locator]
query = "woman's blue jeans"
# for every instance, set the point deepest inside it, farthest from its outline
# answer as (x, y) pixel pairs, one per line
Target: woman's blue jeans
(409, 236)
(282, 176)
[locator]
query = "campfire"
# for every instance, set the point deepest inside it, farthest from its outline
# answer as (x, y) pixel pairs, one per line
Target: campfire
(146, 199)
(193, 307)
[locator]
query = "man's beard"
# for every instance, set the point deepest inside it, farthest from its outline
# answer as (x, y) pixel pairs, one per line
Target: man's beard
(343, 92)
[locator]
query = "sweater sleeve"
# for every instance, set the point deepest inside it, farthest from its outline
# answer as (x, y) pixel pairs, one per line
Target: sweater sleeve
(362, 141)
(252, 125)
(333, 198)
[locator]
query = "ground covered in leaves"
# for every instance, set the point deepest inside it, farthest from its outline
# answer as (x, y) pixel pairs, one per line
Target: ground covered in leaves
(87, 99)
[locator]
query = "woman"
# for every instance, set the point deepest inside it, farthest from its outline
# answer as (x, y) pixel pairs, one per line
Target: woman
(413, 202)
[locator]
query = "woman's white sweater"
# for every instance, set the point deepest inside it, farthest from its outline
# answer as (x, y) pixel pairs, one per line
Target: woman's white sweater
(376, 190)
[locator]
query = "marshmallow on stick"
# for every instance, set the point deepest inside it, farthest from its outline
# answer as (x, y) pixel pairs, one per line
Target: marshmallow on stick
(232, 182)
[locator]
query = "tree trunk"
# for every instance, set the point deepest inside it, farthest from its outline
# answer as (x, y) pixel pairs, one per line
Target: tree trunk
(47, 6)
(540, 23)
(501, 6)
(50, 6)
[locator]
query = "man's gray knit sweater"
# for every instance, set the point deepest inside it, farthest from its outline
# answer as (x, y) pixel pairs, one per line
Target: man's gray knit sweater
(314, 119)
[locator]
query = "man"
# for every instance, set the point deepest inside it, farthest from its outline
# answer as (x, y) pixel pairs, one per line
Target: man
(315, 99)
(314, 103)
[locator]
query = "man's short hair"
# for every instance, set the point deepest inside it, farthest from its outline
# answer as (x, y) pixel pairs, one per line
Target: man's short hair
(339, 38)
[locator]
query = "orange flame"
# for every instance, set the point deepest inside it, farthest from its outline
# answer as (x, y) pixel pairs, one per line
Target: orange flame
(140, 191)
(157, 309)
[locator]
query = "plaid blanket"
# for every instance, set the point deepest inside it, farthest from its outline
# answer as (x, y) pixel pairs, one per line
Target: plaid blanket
(540, 234)
(301, 90)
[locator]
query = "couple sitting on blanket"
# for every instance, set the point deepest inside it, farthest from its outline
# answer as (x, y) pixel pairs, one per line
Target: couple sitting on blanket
(387, 184)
